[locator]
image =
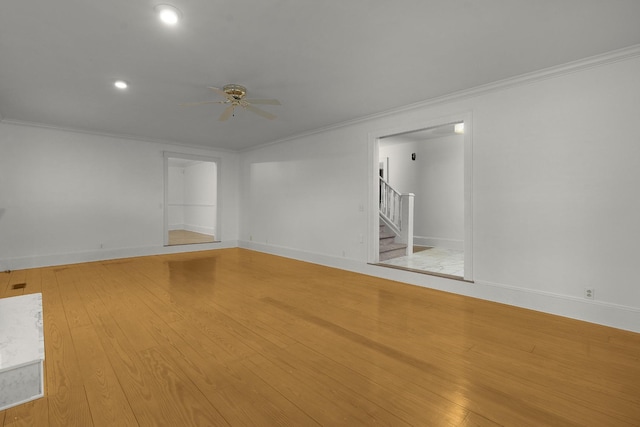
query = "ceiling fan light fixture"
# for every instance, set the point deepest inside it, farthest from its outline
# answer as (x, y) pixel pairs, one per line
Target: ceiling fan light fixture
(236, 91)
(168, 14)
(234, 96)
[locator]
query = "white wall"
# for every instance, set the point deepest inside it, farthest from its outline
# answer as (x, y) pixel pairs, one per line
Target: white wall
(436, 177)
(403, 172)
(441, 207)
(200, 183)
(175, 197)
(192, 197)
(295, 195)
(70, 196)
(555, 177)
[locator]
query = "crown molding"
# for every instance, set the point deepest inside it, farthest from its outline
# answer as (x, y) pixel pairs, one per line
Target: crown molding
(543, 74)
(114, 135)
(522, 79)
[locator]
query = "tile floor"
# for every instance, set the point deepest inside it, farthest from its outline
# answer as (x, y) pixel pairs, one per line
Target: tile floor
(434, 260)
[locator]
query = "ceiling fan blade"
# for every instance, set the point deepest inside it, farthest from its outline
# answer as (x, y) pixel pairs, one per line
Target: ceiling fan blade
(263, 101)
(188, 104)
(258, 111)
(221, 92)
(227, 113)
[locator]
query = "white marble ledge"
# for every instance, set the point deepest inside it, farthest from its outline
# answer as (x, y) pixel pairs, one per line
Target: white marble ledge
(21, 334)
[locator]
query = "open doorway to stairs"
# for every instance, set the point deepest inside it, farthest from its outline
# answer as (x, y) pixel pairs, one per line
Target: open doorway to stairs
(421, 188)
(191, 199)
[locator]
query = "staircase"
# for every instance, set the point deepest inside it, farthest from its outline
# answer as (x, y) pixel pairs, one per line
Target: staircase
(388, 247)
(396, 223)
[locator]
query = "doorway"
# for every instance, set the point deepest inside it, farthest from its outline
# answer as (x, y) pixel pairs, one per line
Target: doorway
(191, 200)
(432, 161)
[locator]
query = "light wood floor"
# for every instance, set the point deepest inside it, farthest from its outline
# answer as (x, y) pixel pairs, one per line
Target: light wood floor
(186, 237)
(234, 337)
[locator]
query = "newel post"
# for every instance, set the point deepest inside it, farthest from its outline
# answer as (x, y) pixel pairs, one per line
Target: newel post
(406, 235)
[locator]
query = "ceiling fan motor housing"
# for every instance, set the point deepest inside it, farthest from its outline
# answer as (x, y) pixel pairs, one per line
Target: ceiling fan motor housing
(236, 91)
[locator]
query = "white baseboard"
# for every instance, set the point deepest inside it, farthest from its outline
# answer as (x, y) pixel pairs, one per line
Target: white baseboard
(603, 313)
(438, 242)
(199, 229)
(195, 228)
(36, 261)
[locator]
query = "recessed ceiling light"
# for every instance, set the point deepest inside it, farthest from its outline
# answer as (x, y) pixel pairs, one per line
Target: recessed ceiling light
(120, 84)
(168, 14)
(458, 128)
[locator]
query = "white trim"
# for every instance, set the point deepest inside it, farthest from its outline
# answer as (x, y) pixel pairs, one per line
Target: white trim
(527, 78)
(373, 170)
(195, 157)
(195, 205)
(602, 313)
(115, 135)
(199, 229)
(546, 73)
(439, 242)
(191, 227)
(373, 213)
(37, 261)
(468, 196)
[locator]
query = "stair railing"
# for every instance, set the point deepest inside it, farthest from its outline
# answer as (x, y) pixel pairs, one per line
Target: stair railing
(391, 206)
(396, 210)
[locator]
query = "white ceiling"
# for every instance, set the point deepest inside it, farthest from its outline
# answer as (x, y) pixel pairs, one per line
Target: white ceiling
(326, 61)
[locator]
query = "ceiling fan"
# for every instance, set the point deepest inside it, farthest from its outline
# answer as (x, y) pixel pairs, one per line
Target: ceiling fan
(235, 96)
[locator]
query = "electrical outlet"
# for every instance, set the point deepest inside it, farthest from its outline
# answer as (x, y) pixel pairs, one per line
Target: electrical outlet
(589, 293)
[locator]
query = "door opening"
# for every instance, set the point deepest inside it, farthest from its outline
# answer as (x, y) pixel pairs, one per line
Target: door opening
(431, 164)
(191, 200)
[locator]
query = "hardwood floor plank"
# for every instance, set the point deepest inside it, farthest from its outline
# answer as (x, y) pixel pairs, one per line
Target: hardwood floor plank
(74, 308)
(34, 413)
(33, 278)
(258, 327)
(64, 385)
(4, 284)
(126, 306)
(475, 420)
(187, 399)
(154, 296)
(385, 342)
(390, 366)
(16, 277)
(107, 401)
(252, 402)
(148, 399)
(318, 402)
(244, 338)
(414, 405)
(186, 237)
